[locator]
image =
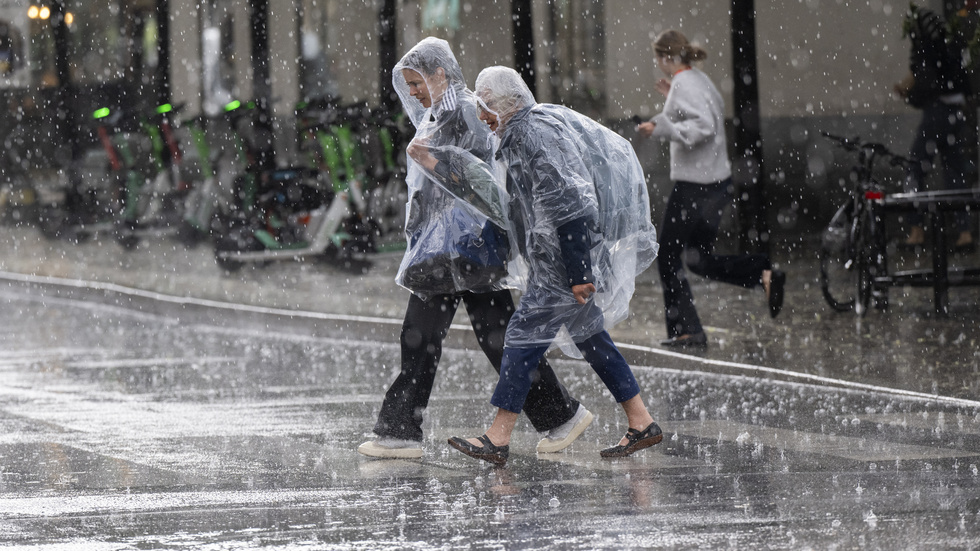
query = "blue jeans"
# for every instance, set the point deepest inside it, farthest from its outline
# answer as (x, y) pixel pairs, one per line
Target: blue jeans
(519, 370)
(426, 325)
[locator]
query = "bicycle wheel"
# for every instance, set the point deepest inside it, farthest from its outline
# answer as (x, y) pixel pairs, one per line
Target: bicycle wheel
(125, 234)
(837, 267)
(872, 261)
(386, 206)
(52, 221)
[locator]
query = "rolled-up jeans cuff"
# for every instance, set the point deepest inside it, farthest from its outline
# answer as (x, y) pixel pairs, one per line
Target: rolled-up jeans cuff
(518, 370)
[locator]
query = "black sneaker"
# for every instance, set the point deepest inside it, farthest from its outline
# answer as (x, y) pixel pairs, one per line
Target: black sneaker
(697, 340)
(777, 287)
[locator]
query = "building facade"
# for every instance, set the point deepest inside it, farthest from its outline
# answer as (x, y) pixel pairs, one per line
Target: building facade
(822, 64)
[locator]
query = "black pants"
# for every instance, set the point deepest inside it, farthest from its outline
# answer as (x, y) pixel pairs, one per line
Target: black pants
(426, 324)
(940, 131)
(687, 238)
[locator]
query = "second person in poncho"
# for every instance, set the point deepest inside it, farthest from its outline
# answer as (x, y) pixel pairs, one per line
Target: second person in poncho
(581, 219)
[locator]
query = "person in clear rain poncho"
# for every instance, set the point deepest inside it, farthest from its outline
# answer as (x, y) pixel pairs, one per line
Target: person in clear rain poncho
(582, 221)
(457, 251)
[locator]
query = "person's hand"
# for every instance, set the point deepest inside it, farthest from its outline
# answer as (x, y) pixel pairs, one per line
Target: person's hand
(903, 86)
(662, 86)
(899, 90)
(419, 151)
(645, 129)
(418, 148)
(583, 292)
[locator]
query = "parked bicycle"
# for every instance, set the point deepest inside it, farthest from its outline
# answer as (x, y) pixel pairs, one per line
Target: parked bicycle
(292, 213)
(388, 193)
(205, 198)
(154, 204)
(853, 254)
(356, 145)
(86, 200)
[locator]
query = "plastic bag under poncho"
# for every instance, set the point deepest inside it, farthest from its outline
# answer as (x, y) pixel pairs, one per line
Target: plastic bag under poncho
(456, 220)
(562, 166)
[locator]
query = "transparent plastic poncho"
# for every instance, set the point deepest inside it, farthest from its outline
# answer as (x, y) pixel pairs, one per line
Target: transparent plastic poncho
(563, 166)
(456, 219)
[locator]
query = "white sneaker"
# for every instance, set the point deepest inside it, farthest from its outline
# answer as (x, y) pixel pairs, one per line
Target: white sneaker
(563, 435)
(391, 448)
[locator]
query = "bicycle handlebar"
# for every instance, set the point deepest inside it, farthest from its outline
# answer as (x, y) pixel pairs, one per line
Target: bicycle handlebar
(868, 150)
(357, 114)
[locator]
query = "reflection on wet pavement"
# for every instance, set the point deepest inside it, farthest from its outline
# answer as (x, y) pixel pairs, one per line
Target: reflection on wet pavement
(129, 427)
(130, 420)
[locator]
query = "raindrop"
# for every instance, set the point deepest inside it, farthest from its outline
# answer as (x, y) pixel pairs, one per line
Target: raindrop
(553, 502)
(871, 519)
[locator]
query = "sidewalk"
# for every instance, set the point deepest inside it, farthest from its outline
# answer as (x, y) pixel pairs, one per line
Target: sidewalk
(133, 419)
(906, 347)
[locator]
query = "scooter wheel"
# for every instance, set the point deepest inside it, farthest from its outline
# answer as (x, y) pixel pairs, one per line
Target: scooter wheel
(238, 238)
(228, 265)
(190, 236)
(51, 221)
(126, 235)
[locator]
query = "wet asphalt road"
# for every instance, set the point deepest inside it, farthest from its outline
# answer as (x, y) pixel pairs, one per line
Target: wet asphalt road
(149, 402)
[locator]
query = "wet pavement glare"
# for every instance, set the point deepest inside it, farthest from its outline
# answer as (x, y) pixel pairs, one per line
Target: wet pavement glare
(130, 421)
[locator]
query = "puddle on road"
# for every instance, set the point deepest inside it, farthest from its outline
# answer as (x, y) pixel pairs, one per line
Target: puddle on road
(134, 433)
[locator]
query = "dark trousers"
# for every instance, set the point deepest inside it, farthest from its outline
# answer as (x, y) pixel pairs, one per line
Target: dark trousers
(940, 131)
(599, 350)
(687, 240)
(426, 326)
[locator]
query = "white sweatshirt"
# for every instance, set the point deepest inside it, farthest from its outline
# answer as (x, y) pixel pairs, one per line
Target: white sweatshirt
(693, 120)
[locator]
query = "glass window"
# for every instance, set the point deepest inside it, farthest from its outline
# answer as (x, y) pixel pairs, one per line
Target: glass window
(100, 47)
(218, 55)
(317, 80)
(40, 48)
(99, 51)
(577, 54)
(11, 50)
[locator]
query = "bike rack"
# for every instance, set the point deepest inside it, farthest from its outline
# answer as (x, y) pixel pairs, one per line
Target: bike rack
(937, 204)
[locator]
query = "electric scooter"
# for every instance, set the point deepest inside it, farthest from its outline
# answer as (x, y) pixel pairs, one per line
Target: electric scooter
(293, 213)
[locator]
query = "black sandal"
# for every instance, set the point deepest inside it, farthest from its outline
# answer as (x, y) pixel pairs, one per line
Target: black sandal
(488, 452)
(636, 441)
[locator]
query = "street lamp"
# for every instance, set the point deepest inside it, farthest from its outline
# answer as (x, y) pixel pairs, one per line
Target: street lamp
(44, 13)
